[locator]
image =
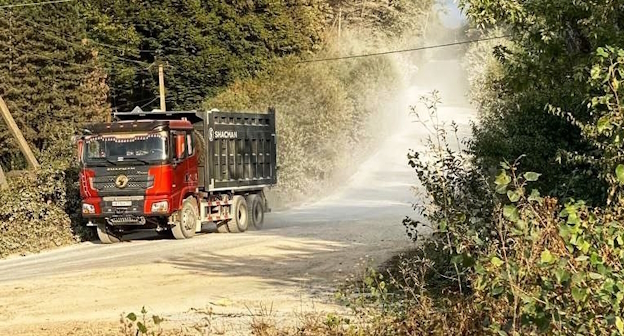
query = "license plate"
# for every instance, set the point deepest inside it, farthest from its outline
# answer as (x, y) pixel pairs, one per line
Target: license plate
(122, 203)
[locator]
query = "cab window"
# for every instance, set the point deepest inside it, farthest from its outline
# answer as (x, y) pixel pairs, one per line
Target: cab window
(190, 146)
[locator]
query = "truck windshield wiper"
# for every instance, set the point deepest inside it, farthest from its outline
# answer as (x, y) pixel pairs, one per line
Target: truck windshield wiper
(107, 160)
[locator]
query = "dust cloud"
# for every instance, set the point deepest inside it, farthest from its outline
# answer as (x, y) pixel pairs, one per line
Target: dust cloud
(380, 179)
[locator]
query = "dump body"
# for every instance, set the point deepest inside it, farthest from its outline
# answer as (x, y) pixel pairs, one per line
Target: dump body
(240, 151)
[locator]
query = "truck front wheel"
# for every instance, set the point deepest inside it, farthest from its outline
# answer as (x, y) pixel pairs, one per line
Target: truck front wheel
(187, 220)
(239, 214)
(106, 235)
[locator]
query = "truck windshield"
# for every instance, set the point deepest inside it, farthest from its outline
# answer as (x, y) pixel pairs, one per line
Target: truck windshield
(116, 148)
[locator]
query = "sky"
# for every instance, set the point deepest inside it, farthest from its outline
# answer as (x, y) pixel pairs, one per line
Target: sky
(453, 18)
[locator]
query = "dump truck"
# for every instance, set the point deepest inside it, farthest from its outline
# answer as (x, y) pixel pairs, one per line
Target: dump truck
(176, 171)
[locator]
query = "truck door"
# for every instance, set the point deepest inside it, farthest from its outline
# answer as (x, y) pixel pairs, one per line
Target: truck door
(180, 168)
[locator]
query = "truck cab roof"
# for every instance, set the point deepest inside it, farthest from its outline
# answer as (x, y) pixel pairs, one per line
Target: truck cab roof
(138, 114)
(141, 121)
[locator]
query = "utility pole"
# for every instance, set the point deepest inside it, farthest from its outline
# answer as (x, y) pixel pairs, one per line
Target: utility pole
(17, 134)
(161, 84)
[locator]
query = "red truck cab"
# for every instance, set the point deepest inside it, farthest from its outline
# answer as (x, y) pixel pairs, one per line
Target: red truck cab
(137, 172)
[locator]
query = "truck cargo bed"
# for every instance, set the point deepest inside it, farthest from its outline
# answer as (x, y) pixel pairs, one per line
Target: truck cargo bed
(240, 150)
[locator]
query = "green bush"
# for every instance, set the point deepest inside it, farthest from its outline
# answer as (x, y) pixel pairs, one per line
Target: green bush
(533, 264)
(41, 210)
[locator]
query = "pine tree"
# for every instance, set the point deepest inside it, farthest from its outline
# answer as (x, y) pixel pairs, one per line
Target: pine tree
(50, 79)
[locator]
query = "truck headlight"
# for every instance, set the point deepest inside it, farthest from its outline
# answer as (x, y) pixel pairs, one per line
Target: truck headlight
(88, 209)
(162, 206)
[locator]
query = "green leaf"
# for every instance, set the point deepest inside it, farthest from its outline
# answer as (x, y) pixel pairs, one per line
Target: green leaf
(546, 257)
(142, 328)
(619, 172)
(496, 262)
(502, 179)
(513, 196)
(442, 226)
(602, 52)
(535, 196)
(505, 165)
(578, 294)
(619, 324)
(595, 276)
(501, 189)
(604, 123)
(457, 259)
(132, 317)
(157, 319)
(595, 72)
(531, 176)
(497, 290)
(511, 213)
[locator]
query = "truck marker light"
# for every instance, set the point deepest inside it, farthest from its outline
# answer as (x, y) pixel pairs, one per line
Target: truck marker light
(160, 207)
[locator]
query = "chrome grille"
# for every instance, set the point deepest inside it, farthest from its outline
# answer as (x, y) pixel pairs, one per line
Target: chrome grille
(135, 182)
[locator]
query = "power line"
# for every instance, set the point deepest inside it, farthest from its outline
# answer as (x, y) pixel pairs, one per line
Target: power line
(403, 50)
(135, 103)
(151, 101)
(93, 67)
(30, 53)
(29, 4)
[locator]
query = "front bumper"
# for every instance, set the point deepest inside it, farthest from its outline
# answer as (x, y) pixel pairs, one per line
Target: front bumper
(115, 207)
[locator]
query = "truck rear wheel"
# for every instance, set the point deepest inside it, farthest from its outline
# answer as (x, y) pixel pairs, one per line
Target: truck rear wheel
(106, 235)
(239, 214)
(256, 211)
(187, 220)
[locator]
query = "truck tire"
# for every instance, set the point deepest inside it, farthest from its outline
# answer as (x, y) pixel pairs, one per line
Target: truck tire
(187, 220)
(106, 236)
(256, 211)
(239, 214)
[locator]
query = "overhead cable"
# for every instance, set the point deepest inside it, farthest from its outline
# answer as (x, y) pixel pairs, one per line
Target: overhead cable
(403, 50)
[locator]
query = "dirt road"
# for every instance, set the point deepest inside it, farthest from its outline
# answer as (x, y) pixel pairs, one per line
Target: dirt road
(290, 265)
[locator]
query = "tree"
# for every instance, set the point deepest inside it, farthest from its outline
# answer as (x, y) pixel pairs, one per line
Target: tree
(553, 49)
(50, 84)
(205, 44)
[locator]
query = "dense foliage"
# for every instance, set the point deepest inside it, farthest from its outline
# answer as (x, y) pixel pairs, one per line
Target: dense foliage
(547, 64)
(205, 44)
(41, 210)
(49, 85)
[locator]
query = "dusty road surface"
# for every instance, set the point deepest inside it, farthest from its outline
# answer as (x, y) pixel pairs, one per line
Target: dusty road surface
(289, 266)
